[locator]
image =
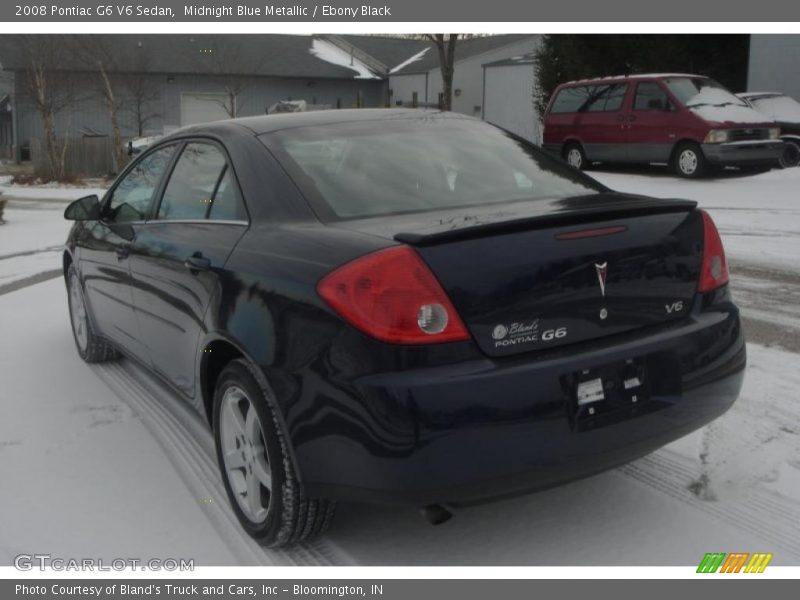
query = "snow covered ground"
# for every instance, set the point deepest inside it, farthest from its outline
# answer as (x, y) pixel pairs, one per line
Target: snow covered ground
(102, 461)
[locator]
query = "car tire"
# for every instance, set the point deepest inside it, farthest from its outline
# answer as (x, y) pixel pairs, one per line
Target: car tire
(91, 348)
(790, 157)
(256, 468)
(575, 156)
(689, 161)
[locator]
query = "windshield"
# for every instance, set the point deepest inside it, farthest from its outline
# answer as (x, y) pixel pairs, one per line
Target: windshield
(701, 91)
(371, 168)
(781, 108)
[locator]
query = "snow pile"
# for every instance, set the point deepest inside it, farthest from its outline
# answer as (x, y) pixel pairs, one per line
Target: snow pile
(413, 59)
(331, 53)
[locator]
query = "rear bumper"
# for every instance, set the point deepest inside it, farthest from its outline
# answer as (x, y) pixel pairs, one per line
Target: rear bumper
(744, 153)
(490, 428)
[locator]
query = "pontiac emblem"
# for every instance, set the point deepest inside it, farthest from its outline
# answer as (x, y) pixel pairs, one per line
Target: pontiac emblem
(602, 272)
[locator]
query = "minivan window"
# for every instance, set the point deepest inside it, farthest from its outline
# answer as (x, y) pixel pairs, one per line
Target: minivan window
(358, 170)
(192, 183)
(590, 98)
(701, 91)
(607, 98)
(650, 96)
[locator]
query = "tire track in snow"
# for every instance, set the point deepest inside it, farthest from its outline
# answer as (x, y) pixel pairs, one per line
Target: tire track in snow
(188, 443)
(667, 472)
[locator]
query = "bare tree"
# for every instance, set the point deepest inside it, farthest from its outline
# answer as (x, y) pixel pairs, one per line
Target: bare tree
(226, 58)
(446, 46)
(98, 53)
(51, 90)
(142, 93)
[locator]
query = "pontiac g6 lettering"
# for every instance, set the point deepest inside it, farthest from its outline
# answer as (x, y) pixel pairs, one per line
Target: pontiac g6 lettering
(361, 303)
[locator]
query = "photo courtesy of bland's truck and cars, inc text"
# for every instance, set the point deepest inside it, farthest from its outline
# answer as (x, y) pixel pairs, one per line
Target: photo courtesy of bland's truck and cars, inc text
(349, 299)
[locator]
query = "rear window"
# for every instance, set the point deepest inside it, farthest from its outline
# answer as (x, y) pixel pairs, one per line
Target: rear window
(371, 168)
(590, 98)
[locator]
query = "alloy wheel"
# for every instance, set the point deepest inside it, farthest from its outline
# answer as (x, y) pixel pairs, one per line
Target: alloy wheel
(77, 314)
(245, 455)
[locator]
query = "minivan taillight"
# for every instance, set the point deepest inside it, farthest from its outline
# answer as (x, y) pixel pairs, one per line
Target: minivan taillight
(714, 269)
(392, 296)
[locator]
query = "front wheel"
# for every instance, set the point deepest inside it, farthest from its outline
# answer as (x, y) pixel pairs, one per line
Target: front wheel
(256, 467)
(689, 161)
(90, 347)
(791, 154)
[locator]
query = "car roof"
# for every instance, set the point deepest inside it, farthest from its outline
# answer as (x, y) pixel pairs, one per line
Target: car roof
(270, 123)
(756, 95)
(630, 77)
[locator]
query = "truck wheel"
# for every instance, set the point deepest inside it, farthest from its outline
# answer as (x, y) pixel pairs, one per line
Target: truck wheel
(791, 154)
(254, 460)
(575, 156)
(689, 161)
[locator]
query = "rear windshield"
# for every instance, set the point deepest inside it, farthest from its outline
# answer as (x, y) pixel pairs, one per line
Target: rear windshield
(701, 91)
(371, 168)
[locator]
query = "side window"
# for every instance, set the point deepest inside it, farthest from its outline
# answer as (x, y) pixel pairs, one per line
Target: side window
(571, 99)
(650, 96)
(607, 98)
(226, 205)
(191, 185)
(130, 200)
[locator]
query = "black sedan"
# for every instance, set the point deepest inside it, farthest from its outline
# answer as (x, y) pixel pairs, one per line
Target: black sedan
(403, 307)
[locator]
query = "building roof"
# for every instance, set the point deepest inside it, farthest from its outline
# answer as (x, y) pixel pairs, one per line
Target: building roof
(466, 48)
(391, 51)
(523, 59)
(229, 55)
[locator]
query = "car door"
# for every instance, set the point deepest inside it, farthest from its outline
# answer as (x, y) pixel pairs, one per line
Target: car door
(602, 119)
(651, 124)
(105, 249)
(178, 256)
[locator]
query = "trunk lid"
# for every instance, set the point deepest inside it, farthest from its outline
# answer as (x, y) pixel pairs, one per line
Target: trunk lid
(537, 275)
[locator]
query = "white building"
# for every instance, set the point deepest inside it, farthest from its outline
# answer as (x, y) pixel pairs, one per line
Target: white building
(774, 64)
(511, 102)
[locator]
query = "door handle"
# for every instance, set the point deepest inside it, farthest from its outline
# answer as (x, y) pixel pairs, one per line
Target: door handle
(620, 117)
(122, 252)
(197, 263)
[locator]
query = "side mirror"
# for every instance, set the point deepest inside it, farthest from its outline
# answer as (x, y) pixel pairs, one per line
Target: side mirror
(83, 209)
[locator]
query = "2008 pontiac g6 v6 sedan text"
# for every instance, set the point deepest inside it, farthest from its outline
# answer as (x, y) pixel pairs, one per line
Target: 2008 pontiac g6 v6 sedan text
(402, 307)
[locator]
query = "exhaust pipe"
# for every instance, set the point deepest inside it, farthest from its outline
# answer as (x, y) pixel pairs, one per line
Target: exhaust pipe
(436, 514)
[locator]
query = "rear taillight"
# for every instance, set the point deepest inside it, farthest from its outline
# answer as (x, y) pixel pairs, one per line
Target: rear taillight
(392, 296)
(714, 270)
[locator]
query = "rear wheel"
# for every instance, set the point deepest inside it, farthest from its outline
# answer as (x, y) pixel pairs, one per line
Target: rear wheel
(791, 154)
(575, 156)
(91, 348)
(256, 468)
(689, 161)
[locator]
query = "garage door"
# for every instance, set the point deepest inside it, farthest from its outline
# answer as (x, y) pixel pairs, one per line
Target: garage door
(201, 107)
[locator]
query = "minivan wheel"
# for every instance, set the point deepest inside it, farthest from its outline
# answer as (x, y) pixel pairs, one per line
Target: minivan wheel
(791, 155)
(690, 161)
(91, 348)
(256, 468)
(575, 157)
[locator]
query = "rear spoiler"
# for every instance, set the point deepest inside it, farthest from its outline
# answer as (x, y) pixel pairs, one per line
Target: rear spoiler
(590, 214)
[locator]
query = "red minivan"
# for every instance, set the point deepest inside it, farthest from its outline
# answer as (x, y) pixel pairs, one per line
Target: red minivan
(687, 121)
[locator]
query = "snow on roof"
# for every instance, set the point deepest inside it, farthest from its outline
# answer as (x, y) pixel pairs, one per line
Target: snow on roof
(633, 76)
(330, 53)
(408, 61)
(749, 95)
